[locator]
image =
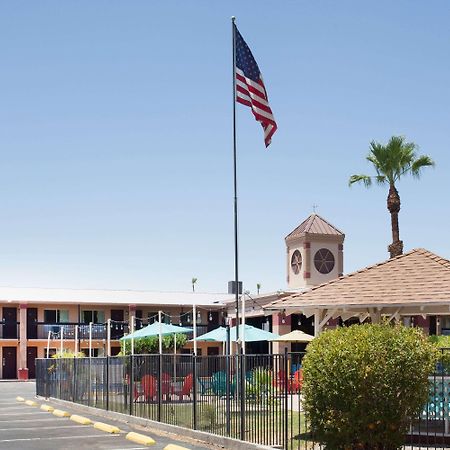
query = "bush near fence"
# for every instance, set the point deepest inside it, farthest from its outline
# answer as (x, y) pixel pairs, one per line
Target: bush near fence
(364, 384)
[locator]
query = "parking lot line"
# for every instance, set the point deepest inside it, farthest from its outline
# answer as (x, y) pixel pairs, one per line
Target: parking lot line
(41, 428)
(59, 437)
(46, 419)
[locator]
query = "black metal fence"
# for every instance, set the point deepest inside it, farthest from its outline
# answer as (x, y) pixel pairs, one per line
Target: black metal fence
(256, 398)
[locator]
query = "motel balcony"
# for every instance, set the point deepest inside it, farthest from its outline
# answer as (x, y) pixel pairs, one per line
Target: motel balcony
(41, 330)
(9, 330)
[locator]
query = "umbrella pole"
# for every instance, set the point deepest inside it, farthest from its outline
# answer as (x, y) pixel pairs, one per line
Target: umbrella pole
(62, 341)
(108, 337)
(48, 343)
(76, 339)
(90, 339)
(175, 357)
(132, 337)
(160, 332)
(195, 329)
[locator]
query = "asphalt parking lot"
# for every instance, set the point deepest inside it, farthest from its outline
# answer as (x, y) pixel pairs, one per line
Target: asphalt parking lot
(28, 427)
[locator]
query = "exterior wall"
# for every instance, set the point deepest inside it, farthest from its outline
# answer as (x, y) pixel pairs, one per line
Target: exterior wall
(309, 276)
(22, 343)
(281, 324)
(316, 277)
(297, 280)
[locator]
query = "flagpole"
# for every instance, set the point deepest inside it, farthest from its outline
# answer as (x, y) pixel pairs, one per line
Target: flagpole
(236, 267)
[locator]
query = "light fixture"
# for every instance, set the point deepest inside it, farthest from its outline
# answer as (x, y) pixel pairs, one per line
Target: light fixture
(210, 318)
(188, 318)
(299, 322)
(199, 316)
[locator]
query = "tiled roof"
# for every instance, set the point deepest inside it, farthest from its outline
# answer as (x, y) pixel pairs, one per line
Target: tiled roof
(416, 277)
(315, 224)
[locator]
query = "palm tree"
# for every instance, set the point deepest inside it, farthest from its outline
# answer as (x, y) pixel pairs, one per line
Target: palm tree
(193, 281)
(258, 287)
(391, 162)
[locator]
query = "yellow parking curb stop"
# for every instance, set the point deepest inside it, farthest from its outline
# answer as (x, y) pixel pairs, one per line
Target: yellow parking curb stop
(20, 399)
(140, 438)
(105, 427)
(47, 408)
(174, 447)
(60, 413)
(31, 403)
(80, 419)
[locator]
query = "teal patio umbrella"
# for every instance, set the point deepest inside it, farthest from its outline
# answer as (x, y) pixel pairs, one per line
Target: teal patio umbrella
(216, 335)
(155, 329)
(252, 334)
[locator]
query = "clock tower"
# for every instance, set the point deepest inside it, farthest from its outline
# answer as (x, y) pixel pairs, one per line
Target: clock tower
(314, 253)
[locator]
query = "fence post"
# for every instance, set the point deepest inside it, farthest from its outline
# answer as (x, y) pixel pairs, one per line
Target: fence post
(59, 377)
(131, 384)
(74, 379)
(194, 389)
(90, 383)
(286, 404)
(228, 393)
(107, 384)
(159, 386)
(241, 375)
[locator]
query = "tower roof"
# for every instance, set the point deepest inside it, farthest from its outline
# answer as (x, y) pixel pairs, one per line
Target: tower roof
(314, 224)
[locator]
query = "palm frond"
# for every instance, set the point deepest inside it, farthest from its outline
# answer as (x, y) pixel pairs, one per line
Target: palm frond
(381, 179)
(365, 179)
(421, 162)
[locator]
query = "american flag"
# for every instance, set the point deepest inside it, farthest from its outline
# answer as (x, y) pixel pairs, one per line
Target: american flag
(250, 89)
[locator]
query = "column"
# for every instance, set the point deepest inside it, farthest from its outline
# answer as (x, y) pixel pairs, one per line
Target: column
(131, 314)
(22, 357)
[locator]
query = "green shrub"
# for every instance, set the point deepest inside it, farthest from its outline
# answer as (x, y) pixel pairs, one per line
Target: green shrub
(363, 384)
(68, 354)
(442, 342)
(149, 345)
(258, 383)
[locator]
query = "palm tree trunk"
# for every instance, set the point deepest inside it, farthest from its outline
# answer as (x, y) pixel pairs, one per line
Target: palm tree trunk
(393, 205)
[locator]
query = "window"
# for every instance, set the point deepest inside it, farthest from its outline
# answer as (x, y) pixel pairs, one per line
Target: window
(56, 315)
(296, 262)
(93, 316)
(324, 261)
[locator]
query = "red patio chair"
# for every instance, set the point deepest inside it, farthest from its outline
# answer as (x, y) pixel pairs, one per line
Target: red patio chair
(149, 387)
(186, 388)
(166, 385)
(279, 381)
(297, 382)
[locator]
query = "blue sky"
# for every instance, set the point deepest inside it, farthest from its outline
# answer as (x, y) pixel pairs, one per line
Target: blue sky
(115, 136)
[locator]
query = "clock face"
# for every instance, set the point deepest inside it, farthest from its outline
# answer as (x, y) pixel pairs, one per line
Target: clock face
(324, 261)
(296, 262)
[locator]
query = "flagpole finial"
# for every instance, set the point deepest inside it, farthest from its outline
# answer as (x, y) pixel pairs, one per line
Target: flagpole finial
(233, 18)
